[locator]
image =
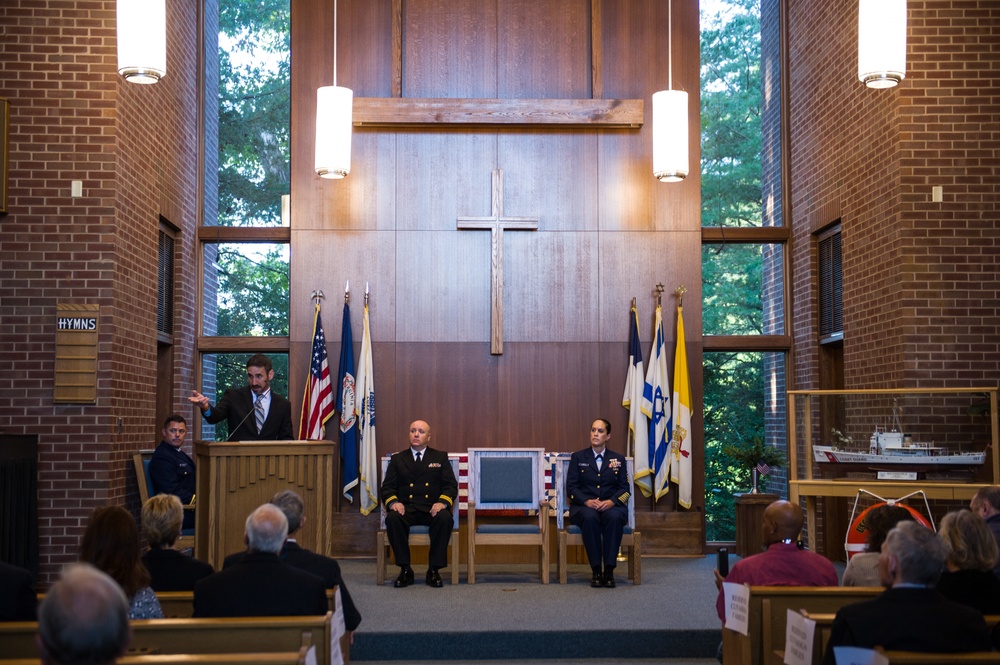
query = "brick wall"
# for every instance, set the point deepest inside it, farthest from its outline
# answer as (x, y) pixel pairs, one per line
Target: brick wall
(920, 278)
(134, 149)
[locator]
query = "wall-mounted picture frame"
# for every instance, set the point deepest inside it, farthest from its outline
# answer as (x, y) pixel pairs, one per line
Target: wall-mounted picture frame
(4, 152)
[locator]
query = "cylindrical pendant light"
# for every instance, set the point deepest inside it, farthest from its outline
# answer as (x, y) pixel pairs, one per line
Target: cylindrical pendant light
(881, 42)
(334, 107)
(333, 131)
(670, 135)
(670, 121)
(142, 40)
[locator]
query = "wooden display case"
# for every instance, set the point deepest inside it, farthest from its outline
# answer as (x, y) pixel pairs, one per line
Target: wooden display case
(952, 420)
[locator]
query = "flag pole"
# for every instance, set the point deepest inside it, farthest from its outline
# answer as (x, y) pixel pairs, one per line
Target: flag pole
(317, 295)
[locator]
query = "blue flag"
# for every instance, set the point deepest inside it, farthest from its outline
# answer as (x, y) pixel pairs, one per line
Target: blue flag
(638, 428)
(656, 406)
(346, 407)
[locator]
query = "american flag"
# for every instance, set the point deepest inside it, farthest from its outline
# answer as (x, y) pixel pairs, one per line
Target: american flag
(763, 468)
(317, 402)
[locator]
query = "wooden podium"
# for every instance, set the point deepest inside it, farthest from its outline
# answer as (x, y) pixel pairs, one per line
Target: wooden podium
(235, 477)
(749, 520)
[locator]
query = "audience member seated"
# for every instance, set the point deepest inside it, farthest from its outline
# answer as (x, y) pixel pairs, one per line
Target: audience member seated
(328, 569)
(862, 569)
(261, 584)
(18, 600)
(910, 615)
(969, 577)
(986, 504)
(111, 544)
(83, 619)
(169, 570)
(785, 562)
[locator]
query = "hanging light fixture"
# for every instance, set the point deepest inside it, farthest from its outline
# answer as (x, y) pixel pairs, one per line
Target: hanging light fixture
(333, 123)
(670, 122)
(881, 42)
(142, 40)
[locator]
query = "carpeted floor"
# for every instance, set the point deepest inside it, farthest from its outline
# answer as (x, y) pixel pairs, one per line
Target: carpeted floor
(510, 615)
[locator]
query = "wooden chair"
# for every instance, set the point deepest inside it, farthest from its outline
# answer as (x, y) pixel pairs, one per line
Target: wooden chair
(508, 479)
(570, 534)
(419, 535)
(141, 462)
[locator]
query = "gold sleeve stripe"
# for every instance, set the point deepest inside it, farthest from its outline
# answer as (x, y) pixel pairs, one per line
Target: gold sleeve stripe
(391, 499)
(624, 497)
(448, 499)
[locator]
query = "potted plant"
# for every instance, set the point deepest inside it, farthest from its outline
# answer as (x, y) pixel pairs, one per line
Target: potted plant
(755, 456)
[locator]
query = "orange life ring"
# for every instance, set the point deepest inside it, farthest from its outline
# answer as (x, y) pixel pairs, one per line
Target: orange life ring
(857, 535)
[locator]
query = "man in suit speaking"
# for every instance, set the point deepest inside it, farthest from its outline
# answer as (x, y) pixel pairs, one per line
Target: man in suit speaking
(253, 412)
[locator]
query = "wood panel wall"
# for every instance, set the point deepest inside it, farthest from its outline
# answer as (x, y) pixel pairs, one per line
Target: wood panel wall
(607, 230)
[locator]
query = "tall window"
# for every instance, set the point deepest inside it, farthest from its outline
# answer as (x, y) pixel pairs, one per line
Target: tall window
(244, 238)
(744, 248)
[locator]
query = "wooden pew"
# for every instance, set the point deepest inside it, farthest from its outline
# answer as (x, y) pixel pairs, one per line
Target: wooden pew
(912, 658)
(275, 658)
(767, 618)
(180, 604)
(821, 638)
(201, 636)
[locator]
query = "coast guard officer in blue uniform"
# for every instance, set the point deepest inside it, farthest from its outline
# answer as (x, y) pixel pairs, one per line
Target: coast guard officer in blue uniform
(598, 490)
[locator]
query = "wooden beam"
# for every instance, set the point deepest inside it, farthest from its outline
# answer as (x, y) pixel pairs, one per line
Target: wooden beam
(397, 48)
(244, 234)
(596, 51)
(596, 113)
(746, 234)
(209, 344)
(746, 343)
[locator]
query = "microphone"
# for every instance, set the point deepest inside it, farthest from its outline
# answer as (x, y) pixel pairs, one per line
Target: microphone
(256, 405)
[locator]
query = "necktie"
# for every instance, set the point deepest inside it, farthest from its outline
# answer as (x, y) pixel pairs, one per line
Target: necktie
(259, 413)
(599, 458)
(418, 456)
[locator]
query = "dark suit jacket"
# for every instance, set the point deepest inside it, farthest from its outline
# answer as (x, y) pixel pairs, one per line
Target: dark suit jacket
(170, 570)
(260, 585)
(18, 601)
(234, 406)
(172, 471)
(909, 619)
(585, 482)
(419, 486)
(321, 566)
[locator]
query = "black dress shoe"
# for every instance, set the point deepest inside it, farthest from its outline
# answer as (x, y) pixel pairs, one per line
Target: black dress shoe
(597, 581)
(404, 579)
(434, 579)
(609, 579)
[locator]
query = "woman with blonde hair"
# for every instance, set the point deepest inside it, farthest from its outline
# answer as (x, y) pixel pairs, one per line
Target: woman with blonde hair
(969, 577)
(162, 517)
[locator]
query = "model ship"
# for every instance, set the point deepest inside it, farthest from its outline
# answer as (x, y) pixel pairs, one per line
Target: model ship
(895, 448)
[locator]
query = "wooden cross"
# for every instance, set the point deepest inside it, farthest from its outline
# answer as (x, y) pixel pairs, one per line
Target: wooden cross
(497, 223)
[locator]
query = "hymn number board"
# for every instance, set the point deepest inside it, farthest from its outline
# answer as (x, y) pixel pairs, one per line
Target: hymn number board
(76, 353)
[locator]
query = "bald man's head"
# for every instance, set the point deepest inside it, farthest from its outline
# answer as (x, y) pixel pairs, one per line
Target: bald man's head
(83, 619)
(782, 521)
